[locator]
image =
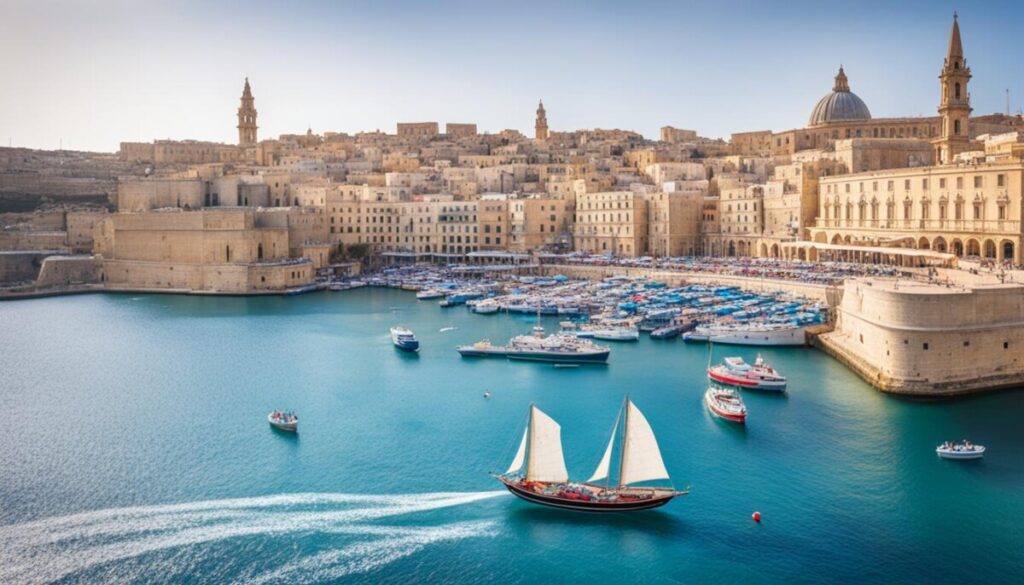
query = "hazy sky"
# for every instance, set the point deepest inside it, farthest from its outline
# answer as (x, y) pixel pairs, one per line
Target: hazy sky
(94, 73)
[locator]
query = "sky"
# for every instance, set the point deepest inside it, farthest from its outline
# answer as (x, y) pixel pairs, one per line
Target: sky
(88, 74)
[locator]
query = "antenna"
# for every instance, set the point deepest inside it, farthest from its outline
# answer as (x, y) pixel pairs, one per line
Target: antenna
(1007, 101)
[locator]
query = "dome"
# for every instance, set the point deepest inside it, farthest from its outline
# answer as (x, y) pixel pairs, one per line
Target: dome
(839, 105)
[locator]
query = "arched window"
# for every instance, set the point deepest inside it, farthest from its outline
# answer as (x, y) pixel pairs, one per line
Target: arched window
(956, 90)
(956, 127)
(259, 252)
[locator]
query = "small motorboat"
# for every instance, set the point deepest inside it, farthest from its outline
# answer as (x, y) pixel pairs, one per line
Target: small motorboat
(668, 332)
(284, 421)
(726, 404)
(404, 339)
(733, 371)
(425, 295)
(962, 450)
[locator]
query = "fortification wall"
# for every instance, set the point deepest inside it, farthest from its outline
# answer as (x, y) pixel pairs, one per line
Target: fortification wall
(69, 270)
(915, 338)
(21, 266)
(223, 278)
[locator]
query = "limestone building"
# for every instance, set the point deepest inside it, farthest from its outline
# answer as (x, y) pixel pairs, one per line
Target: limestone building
(969, 205)
(613, 222)
(674, 223)
(224, 250)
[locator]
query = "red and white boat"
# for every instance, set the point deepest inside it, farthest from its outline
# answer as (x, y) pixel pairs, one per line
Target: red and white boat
(733, 371)
(726, 404)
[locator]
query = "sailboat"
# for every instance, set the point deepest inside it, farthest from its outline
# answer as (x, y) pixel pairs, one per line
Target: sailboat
(546, 480)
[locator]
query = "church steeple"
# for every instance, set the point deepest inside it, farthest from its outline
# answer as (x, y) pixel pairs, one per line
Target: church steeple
(541, 131)
(247, 117)
(955, 104)
(955, 53)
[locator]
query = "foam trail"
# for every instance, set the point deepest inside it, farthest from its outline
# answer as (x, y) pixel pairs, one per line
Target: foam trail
(77, 525)
(47, 551)
(364, 557)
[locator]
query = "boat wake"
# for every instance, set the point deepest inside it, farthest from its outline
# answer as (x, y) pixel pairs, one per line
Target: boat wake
(52, 549)
(443, 329)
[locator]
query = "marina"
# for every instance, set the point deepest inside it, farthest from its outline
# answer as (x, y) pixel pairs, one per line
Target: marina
(395, 450)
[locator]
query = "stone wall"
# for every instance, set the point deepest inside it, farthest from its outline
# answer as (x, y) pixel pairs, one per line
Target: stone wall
(21, 266)
(916, 338)
(69, 270)
(221, 278)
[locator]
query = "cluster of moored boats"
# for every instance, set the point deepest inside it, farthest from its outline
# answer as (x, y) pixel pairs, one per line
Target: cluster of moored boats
(620, 308)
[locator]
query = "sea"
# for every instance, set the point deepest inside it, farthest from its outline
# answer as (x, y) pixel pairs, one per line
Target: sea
(136, 449)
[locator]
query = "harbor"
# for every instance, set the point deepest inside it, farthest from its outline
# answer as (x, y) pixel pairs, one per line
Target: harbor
(394, 450)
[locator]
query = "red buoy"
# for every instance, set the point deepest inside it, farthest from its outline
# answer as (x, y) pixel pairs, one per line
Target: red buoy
(757, 516)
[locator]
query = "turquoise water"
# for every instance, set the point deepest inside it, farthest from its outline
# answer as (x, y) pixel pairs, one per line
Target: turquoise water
(136, 449)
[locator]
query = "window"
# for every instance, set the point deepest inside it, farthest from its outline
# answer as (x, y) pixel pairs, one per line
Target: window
(1000, 180)
(925, 347)
(978, 181)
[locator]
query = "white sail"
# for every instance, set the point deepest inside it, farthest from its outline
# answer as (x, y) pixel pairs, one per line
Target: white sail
(602, 468)
(545, 462)
(641, 458)
(517, 463)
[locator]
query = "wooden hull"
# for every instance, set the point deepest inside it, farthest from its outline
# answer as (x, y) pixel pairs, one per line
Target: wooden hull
(591, 505)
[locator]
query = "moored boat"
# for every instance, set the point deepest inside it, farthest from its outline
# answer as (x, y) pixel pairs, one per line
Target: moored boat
(733, 371)
(726, 404)
(753, 334)
(962, 450)
(485, 307)
(405, 339)
(433, 293)
(285, 421)
(545, 480)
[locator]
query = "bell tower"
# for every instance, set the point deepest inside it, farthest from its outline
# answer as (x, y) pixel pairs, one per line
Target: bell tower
(541, 127)
(955, 105)
(247, 118)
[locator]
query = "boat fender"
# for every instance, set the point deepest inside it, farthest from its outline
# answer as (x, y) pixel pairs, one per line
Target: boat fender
(757, 516)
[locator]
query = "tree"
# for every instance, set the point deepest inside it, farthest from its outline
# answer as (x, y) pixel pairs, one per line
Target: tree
(358, 252)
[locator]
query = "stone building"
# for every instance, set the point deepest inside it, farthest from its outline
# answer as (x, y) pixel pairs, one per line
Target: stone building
(417, 129)
(674, 223)
(493, 222)
(538, 222)
(677, 135)
(223, 250)
(613, 222)
(970, 205)
(455, 130)
(969, 210)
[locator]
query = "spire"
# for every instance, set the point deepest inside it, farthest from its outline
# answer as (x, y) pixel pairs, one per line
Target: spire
(955, 53)
(842, 84)
(247, 91)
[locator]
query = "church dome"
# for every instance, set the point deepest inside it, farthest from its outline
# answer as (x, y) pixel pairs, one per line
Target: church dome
(839, 105)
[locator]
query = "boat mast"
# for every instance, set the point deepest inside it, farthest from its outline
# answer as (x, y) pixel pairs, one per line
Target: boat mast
(529, 442)
(622, 441)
